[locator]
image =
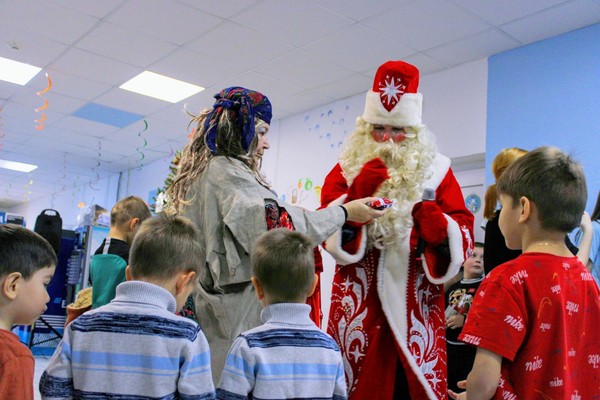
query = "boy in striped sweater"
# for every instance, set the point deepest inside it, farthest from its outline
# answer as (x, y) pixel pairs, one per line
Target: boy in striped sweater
(135, 346)
(288, 356)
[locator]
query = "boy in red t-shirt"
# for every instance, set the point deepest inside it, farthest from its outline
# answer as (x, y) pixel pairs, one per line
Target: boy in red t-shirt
(535, 319)
(27, 264)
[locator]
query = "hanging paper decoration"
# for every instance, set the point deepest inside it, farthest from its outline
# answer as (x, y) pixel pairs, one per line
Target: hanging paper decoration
(139, 149)
(2, 134)
(63, 178)
(94, 169)
(41, 120)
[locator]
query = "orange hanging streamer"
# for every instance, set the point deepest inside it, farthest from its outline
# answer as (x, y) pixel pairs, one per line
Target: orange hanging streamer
(43, 118)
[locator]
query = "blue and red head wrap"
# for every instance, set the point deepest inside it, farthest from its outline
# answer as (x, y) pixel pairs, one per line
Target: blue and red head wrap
(246, 104)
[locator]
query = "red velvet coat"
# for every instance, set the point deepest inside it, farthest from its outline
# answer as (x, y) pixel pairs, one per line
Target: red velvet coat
(388, 306)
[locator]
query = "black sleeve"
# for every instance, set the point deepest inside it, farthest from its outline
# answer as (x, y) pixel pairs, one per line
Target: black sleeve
(495, 251)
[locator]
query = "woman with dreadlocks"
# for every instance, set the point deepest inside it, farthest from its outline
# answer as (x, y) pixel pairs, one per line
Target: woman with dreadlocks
(219, 186)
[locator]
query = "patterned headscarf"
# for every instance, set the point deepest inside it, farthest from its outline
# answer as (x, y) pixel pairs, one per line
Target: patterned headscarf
(246, 104)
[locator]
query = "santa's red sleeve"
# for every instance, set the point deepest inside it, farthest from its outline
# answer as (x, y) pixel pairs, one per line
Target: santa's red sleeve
(334, 193)
(438, 266)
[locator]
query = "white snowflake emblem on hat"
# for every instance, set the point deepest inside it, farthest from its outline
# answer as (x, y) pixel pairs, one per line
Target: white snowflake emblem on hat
(390, 92)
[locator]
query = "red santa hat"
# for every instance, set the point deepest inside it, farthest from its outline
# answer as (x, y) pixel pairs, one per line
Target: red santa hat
(394, 100)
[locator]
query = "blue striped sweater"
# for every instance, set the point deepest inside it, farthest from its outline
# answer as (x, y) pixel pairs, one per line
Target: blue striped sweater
(135, 347)
(286, 358)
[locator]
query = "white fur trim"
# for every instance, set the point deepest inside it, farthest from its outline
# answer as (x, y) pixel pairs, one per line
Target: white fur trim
(407, 111)
(392, 285)
(333, 244)
(457, 255)
(440, 167)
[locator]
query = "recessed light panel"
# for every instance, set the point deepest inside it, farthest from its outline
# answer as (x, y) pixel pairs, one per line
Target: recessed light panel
(161, 87)
(17, 166)
(16, 72)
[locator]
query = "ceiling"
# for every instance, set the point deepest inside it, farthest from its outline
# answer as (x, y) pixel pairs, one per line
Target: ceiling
(300, 53)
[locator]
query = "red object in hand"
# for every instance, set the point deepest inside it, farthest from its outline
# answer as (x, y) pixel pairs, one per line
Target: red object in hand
(430, 223)
(368, 180)
(381, 203)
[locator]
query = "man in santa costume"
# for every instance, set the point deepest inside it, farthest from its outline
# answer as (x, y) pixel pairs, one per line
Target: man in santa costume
(387, 308)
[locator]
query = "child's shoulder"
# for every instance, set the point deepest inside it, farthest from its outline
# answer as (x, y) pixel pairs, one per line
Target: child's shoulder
(136, 321)
(12, 347)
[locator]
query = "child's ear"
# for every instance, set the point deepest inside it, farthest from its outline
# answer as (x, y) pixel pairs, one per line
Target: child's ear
(128, 276)
(314, 285)
(133, 224)
(526, 205)
(183, 281)
(10, 285)
(260, 294)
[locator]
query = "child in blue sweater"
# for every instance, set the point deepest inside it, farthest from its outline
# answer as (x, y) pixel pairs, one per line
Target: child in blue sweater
(288, 356)
(135, 346)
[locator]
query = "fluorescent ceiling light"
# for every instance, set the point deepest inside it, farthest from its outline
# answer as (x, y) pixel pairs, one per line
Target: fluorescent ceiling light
(17, 166)
(161, 87)
(16, 72)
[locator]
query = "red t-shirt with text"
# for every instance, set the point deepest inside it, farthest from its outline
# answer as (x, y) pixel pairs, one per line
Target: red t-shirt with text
(541, 313)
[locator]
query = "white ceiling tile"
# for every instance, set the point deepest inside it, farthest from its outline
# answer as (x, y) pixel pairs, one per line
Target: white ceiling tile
(221, 8)
(94, 8)
(474, 47)
(291, 21)
(176, 114)
(424, 63)
(376, 48)
(74, 86)
(554, 21)
(359, 10)
(87, 127)
(500, 12)
(176, 23)
(34, 49)
(125, 45)
(8, 90)
(424, 24)
(304, 70)
(349, 86)
(307, 100)
(131, 102)
(274, 89)
(195, 68)
(95, 68)
(51, 20)
(256, 48)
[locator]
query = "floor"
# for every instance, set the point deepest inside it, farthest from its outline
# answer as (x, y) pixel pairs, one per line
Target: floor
(41, 362)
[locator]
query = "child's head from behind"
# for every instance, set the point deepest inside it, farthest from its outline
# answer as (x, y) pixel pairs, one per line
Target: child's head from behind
(503, 159)
(553, 182)
(284, 266)
(27, 263)
(164, 248)
(127, 215)
(473, 266)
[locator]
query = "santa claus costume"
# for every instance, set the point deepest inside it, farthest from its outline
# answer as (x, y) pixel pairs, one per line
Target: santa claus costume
(387, 308)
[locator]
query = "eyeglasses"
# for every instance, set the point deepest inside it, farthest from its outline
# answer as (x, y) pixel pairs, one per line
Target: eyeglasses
(383, 133)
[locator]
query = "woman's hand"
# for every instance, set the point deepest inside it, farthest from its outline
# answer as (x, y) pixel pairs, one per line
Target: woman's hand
(359, 210)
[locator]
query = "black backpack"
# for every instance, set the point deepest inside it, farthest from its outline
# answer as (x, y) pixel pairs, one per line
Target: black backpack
(49, 226)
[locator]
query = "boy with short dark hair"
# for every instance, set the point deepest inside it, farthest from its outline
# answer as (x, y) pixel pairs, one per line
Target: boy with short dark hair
(136, 346)
(534, 319)
(459, 298)
(27, 263)
(107, 268)
(288, 356)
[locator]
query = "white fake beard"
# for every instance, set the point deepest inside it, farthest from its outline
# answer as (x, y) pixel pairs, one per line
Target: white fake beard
(409, 167)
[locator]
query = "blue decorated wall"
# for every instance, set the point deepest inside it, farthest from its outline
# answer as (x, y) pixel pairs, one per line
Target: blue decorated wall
(548, 93)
